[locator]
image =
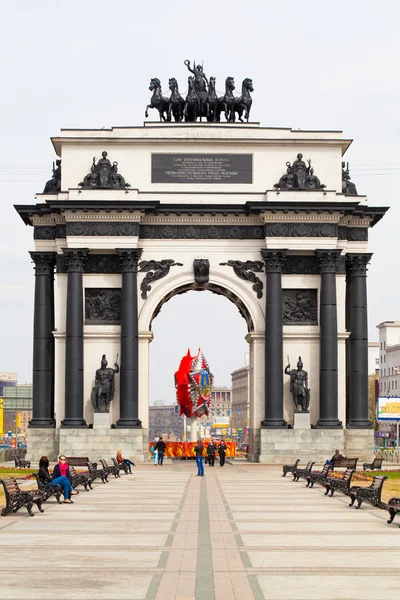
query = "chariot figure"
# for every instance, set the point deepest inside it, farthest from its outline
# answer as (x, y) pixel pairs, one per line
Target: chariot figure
(200, 83)
(299, 386)
(104, 387)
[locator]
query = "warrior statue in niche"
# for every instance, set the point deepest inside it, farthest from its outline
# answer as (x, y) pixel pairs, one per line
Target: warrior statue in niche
(104, 387)
(299, 386)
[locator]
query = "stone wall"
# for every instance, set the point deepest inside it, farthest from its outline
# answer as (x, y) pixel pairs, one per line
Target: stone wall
(94, 443)
(279, 446)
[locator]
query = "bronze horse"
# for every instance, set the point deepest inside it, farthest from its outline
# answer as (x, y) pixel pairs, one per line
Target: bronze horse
(227, 102)
(192, 106)
(176, 102)
(243, 103)
(211, 101)
(157, 101)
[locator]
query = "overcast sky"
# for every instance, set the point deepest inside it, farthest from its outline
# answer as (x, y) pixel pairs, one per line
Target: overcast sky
(88, 64)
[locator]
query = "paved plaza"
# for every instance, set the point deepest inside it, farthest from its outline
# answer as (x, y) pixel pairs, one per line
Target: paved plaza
(238, 533)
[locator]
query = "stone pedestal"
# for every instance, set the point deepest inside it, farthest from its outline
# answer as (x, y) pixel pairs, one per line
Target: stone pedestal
(104, 442)
(43, 442)
(285, 446)
(101, 419)
(301, 420)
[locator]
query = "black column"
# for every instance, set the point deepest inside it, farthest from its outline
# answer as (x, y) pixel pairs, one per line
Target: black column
(129, 380)
(75, 261)
(273, 340)
(356, 266)
(328, 376)
(43, 341)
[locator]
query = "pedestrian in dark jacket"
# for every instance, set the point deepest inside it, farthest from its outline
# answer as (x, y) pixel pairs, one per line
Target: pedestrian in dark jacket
(161, 447)
(222, 453)
(211, 450)
(61, 480)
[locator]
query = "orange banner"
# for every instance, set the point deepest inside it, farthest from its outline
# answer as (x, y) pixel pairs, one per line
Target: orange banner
(186, 449)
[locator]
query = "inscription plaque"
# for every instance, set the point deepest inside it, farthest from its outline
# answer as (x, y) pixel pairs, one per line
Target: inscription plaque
(201, 168)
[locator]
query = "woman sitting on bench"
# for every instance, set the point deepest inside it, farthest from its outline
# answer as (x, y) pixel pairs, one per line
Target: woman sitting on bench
(126, 461)
(57, 479)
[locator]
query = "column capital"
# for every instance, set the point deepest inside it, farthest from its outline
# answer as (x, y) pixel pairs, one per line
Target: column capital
(75, 259)
(356, 264)
(273, 259)
(44, 262)
(129, 258)
(328, 260)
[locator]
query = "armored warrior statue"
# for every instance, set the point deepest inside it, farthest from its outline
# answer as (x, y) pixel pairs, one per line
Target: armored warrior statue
(104, 388)
(299, 386)
(54, 184)
(348, 187)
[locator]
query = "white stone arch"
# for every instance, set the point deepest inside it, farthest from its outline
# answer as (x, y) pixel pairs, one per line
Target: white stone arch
(237, 291)
(175, 283)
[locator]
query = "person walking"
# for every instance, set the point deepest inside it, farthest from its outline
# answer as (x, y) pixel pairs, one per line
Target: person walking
(154, 452)
(199, 449)
(161, 447)
(57, 479)
(222, 453)
(125, 461)
(211, 450)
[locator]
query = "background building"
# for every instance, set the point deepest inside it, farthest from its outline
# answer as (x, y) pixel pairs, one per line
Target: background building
(220, 410)
(17, 405)
(165, 421)
(240, 402)
(389, 373)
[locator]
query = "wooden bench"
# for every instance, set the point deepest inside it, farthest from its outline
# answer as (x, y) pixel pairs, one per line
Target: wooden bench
(393, 508)
(376, 464)
(16, 498)
(20, 463)
(121, 466)
(77, 461)
(290, 468)
(95, 473)
(344, 463)
(48, 490)
(110, 470)
(79, 479)
(303, 473)
(319, 477)
(371, 494)
(341, 485)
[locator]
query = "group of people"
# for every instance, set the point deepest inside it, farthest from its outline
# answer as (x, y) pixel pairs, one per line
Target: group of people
(211, 452)
(158, 450)
(62, 477)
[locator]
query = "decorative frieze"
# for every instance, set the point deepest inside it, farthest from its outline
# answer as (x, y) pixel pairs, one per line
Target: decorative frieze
(203, 232)
(308, 265)
(246, 270)
(102, 228)
(353, 234)
(44, 232)
(102, 306)
(155, 270)
(299, 306)
(301, 230)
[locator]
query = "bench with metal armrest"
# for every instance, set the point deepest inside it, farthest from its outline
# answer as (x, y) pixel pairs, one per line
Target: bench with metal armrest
(371, 494)
(16, 498)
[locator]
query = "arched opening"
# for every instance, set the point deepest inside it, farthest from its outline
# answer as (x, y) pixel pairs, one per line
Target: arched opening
(184, 319)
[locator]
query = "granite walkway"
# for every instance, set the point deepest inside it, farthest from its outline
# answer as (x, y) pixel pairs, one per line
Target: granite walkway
(240, 532)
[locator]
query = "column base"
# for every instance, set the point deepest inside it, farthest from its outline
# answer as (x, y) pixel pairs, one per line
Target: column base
(274, 424)
(42, 423)
(328, 424)
(355, 424)
(129, 424)
(74, 423)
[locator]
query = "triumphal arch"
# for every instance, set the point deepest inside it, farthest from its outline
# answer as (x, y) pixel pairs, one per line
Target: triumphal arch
(268, 217)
